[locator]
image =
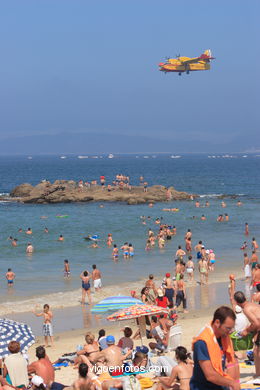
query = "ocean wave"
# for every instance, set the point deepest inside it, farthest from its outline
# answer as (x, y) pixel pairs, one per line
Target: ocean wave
(61, 300)
(210, 195)
(218, 195)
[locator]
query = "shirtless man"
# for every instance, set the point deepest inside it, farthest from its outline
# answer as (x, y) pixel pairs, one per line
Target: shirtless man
(61, 238)
(66, 270)
(256, 276)
(30, 248)
(197, 203)
(169, 287)
(96, 277)
(180, 253)
(252, 312)
(29, 231)
(197, 247)
(151, 286)
(42, 367)
(10, 276)
(125, 250)
(47, 326)
(112, 356)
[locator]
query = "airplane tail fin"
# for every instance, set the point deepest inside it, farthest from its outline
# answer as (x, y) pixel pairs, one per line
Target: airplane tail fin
(208, 53)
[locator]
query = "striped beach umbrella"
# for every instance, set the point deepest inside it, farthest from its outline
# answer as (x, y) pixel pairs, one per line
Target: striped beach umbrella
(14, 331)
(115, 303)
(136, 311)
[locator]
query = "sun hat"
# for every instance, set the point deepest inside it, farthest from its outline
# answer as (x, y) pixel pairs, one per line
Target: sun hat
(238, 309)
(37, 380)
(110, 339)
(160, 292)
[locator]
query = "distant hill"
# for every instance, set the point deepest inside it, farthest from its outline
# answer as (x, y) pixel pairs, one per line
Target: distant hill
(98, 143)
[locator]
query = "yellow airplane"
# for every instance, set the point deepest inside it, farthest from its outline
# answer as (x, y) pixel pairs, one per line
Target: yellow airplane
(186, 64)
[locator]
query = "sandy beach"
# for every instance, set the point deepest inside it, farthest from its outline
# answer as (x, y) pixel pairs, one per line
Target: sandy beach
(67, 341)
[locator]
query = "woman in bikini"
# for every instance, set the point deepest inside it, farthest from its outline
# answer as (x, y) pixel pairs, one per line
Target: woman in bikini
(180, 375)
(90, 350)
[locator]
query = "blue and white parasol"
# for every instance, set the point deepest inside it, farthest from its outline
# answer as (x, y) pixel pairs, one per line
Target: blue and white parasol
(115, 303)
(14, 331)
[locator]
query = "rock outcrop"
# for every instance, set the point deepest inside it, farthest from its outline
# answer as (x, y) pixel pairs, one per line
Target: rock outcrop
(65, 191)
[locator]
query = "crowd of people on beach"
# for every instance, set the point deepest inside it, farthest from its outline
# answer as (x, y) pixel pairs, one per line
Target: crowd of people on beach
(108, 363)
(103, 363)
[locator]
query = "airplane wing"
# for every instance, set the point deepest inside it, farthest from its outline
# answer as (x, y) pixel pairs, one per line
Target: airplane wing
(190, 60)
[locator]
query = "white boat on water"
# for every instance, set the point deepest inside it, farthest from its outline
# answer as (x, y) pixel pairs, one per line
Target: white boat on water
(111, 155)
(82, 156)
(29, 157)
(173, 156)
(63, 157)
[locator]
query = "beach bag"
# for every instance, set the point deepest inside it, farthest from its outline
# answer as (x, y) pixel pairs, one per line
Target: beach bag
(242, 343)
(131, 383)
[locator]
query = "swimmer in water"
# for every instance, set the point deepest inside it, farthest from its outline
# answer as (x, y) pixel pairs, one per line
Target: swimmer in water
(109, 240)
(115, 252)
(131, 250)
(46, 230)
(66, 270)
(61, 238)
(223, 204)
(14, 242)
(239, 203)
(244, 246)
(94, 245)
(197, 204)
(125, 249)
(203, 218)
(226, 217)
(10, 276)
(246, 229)
(207, 204)
(29, 231)
(30, 248)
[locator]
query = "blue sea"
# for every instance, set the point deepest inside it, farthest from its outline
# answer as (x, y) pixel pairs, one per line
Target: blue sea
(42, 273)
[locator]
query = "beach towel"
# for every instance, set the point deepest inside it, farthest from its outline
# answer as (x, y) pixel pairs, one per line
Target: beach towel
(207, 335)
(62, 364)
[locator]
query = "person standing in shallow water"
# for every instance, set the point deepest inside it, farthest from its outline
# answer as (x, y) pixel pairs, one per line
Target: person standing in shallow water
(85, 277)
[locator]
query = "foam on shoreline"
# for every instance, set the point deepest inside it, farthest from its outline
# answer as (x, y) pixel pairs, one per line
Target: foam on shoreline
(60, 300)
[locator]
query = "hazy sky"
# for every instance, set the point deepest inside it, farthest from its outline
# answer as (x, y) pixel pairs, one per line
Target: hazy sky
(92, 66)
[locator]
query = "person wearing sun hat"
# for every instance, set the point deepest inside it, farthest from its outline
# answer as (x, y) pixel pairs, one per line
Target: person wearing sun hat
(161, 300)
(113, 357)
(38, 383)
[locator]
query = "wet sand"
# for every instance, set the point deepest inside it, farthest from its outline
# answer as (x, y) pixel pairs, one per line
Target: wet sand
(200, 300)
